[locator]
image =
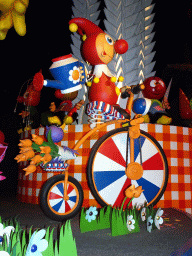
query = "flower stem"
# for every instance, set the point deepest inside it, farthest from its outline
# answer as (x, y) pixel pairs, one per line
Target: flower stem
(123, 204)
(127, 204)
(130, 201)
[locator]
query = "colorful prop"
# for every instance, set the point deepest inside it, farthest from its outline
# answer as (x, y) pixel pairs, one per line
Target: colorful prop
(68, 72)
(98, 49)
(13, 14)
(3, 148)
(154, 90)
(121, 222)
(185, 109)
(18, 241)
(38, 151)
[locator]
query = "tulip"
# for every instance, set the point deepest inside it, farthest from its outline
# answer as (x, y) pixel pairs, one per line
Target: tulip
(46, 158)
(31, 168)
(133, 192)
(36, 159)
(29, 154)
(45, 150)
(25, 143)
(25, 149)
(20, 158)
(38, 140)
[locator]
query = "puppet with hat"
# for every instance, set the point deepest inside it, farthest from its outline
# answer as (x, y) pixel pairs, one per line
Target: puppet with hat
(98, 49)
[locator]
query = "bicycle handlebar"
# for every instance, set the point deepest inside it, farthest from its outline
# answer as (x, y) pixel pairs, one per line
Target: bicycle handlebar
(126, 91)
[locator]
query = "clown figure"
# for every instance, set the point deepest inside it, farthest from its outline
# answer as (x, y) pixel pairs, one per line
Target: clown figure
(98, 49)
(155, 90)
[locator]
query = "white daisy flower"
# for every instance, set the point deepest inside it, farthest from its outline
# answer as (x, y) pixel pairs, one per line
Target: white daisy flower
(143, 214)
(74, 75)
(149, 224)
(3, 253)
(37, 244)
(130, 222)
(5, 231)
(91, 214)
(158, 219)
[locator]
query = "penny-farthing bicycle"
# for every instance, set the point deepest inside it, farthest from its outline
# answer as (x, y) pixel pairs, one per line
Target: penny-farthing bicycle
(121, 157)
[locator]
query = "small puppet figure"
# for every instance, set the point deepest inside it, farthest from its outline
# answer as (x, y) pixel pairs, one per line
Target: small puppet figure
(64, 113)
(155, 90)
(30, 115)
(98, 49)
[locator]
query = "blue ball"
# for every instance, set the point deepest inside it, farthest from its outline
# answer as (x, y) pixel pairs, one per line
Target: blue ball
(141, 106)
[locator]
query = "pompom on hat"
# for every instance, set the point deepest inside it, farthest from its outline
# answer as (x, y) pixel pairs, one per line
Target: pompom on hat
(88, 49)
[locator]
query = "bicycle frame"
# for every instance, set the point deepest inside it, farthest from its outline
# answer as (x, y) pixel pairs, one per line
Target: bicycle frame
(134, 133)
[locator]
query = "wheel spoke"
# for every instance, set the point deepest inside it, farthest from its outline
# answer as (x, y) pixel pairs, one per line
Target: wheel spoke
(150, 189)
(114, 190)
(105, 178)
(110, 150)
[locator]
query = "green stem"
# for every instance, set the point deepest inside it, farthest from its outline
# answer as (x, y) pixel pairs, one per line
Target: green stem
(124, 202)
(130, 201)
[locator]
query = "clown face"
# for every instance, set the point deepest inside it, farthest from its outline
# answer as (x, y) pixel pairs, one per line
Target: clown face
(105, 48)
(154, 88)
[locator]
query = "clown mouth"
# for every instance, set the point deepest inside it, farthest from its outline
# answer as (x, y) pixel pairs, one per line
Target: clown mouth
(104, 54)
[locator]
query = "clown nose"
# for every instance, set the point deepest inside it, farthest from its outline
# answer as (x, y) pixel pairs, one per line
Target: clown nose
(121, 46)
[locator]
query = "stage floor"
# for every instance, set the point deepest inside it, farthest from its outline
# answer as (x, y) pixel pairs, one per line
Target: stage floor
(175, 234)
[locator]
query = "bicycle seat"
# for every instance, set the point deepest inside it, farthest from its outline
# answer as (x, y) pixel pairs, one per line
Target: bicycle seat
(122, 111)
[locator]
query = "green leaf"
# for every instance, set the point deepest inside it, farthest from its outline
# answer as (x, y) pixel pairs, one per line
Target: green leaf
(51, 143)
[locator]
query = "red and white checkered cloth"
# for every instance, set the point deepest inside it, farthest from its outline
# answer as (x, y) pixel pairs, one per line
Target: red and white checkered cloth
(175, 141)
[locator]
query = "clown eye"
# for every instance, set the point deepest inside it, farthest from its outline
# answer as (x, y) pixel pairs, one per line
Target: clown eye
(153, 83)
(109, 39)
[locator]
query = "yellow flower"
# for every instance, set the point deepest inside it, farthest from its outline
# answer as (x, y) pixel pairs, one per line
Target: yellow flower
(31, 168)
(133, 192)
(38, 140)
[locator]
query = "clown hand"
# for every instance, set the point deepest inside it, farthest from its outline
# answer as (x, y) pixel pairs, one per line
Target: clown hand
(12, 13)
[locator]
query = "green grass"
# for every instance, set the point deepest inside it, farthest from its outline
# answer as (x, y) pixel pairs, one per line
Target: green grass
(65, 246)
(101, 222)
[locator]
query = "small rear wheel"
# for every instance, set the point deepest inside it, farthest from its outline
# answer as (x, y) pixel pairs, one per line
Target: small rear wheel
(52, 202)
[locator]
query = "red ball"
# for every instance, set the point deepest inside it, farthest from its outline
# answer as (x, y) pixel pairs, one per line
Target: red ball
(121, 46)
(58, 94)
(155, 88)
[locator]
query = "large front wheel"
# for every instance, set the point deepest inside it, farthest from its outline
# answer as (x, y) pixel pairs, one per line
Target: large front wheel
(107, 164)
(52, 200)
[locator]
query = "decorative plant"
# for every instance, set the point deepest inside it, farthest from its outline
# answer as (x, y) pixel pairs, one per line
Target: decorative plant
(38, 151)
(121, 221)
(37, 243)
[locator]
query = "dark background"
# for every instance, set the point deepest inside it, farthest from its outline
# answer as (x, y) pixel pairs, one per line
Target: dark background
(48, 37)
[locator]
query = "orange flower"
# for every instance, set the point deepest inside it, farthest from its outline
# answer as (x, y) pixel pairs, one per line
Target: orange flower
(133, 192)
(25, 143)
(29, 154)
(36, 159)
(25, 149)
(38, 140)
(31, 168)
(46, 158)
(45, 150)
(138, 191)
(20, 158)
